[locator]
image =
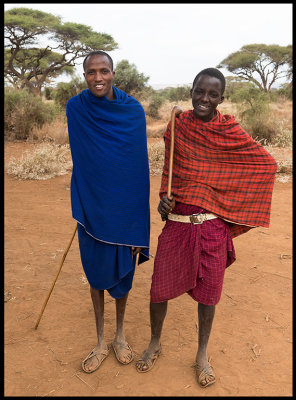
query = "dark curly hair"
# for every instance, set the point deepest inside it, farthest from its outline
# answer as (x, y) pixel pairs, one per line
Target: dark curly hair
(211, 72)
(100, 53)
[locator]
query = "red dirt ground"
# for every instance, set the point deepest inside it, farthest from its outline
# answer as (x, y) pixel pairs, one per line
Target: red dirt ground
(251, 340)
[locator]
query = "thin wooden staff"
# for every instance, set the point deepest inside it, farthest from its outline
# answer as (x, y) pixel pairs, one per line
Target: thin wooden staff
(176, 111)
(56, 277)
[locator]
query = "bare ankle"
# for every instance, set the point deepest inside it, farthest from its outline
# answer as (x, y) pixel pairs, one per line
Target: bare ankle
(154, 344)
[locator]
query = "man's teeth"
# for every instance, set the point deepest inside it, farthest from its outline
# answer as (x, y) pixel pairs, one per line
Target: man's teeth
(99, 86)
(204, 107)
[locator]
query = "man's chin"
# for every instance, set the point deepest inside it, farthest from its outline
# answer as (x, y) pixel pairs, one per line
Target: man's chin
(95, 93)
(204, 116)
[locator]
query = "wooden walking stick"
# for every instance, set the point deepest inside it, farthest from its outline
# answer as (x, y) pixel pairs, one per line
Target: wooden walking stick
(56, 277)
(176, 111)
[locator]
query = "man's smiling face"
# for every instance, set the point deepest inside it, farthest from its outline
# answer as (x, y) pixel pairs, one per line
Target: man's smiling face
(206, 96)
(99, 76)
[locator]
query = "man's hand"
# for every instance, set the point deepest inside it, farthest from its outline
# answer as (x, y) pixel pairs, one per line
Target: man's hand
(166, 205)
(136, 250)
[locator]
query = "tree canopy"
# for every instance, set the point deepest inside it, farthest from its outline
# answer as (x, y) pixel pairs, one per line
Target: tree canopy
(39, 47)
(128, 79)
(260, 64)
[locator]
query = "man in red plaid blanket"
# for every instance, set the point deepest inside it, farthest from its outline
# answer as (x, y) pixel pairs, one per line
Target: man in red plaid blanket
(221, 187)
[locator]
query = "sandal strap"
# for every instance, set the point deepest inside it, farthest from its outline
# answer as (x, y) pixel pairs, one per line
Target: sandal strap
(148, 360)
(205, 373)
(95, 353)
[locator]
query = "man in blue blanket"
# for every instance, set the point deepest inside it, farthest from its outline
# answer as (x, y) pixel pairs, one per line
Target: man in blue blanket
(109, 194)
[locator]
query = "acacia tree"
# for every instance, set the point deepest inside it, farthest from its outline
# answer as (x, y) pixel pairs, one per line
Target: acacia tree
(28, 64)
(260, 64)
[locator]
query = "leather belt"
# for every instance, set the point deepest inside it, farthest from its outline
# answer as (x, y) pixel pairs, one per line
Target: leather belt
(193, 219)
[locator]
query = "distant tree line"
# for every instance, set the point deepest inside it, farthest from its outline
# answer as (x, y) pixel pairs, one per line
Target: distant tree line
(40, 48)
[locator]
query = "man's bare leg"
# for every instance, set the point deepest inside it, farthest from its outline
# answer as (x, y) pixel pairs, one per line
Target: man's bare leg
(98, 304)
(157, 315)
(205, 321)
(123, 350)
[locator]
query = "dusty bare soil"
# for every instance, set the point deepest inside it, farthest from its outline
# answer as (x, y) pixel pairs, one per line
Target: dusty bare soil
(251, 341)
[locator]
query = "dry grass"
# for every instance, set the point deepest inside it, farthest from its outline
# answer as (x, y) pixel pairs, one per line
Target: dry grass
(283, 111)
(285, 167)
(53, 156)
(48, 160)
(56, 132)
(156, 157)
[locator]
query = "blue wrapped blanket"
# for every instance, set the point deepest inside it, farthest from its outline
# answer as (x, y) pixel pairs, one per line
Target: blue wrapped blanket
(110, 177)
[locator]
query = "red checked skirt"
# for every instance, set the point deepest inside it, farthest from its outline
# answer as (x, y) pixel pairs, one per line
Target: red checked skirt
(192, 258)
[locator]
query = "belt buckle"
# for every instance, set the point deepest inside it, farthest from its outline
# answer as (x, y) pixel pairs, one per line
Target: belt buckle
(196, 219)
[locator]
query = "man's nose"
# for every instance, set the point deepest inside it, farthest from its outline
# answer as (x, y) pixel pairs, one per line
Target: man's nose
(98, 76)
(205, 97)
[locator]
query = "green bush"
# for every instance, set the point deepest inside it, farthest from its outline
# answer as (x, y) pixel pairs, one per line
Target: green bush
(181, 93)
(154, 106)
(286, 90)
(255, 113)
(235, 84)
(144, 94)
(175, 94)
(47, 92)
(128, 79)
(65, 90)
(23, 111)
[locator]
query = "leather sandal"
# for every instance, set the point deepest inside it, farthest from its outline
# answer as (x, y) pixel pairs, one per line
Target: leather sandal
(95, 353)
(204, 374)
(148, 359)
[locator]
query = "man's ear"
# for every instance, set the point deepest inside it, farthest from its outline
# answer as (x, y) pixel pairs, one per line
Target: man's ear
(222, 99)
(84, 74)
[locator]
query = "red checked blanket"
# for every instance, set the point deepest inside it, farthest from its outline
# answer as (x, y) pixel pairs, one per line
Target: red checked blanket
(219, 167)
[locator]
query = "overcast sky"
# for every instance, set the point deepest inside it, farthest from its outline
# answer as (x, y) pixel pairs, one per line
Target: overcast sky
(171, 43)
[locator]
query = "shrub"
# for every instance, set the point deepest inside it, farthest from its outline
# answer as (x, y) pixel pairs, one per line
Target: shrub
(181, 93)
(285, 167)
(154, 106)
(56, 131)
(65, 90)
(156, 153)
(255, 113)
(23, 111)
(233, 85)
(286, 90)
(283, 137)
(47, 161)
(143, 94)
(48, 91)
(128, 79)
